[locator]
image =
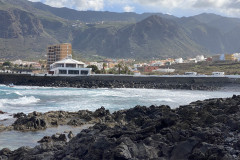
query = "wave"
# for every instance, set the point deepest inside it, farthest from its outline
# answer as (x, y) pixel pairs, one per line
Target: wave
(20, 101)
(166, 100)
(5, 116)
(18, 93)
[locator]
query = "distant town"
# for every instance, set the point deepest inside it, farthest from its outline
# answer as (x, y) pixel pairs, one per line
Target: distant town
(228, 63)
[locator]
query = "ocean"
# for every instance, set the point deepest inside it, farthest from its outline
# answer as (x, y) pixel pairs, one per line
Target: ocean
(42, 99)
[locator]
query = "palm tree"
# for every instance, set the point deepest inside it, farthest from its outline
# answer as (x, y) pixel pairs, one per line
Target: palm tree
(119, 67)
(104, 65)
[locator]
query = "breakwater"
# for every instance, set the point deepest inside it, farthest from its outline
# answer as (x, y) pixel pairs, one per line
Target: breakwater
(120, 81)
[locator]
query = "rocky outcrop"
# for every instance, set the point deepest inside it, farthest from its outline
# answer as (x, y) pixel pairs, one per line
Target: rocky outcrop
(53, 138)
(38, 121)
(1, 112)
(206, 129)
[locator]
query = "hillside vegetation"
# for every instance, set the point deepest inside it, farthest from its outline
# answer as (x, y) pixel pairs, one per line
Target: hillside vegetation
(26, 28)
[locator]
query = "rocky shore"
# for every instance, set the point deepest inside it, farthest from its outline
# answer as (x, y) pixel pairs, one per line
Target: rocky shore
(119, 81)
(202, 130)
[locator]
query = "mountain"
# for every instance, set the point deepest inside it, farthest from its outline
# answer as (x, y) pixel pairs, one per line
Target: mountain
(208, 37)
(25, 32)
(96, 16)
(152, 37)
(20, 33)
(223, 24)
(27, 28)
(83, 16)
(225, 32)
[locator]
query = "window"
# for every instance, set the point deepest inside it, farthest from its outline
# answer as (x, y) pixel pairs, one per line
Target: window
(84, 72)
(73, 71)
(71, 65)
(80, 66)
(62, 71)
(60, 65)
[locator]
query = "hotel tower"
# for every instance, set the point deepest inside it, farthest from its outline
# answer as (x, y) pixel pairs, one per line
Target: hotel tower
(57, 53)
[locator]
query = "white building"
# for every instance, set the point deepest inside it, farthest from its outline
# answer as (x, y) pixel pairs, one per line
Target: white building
(69, 67)
(237, 56)
(218, 73)
(158, 63)
(190, 73)
(179, 60)
(164, 70)
(18, 62)
(200, 58)
(99, 65)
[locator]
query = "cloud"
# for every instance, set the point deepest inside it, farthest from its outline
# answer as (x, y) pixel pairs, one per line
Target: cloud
(128, 8)
(95, 5)
(165, 3)
(227, 7)
(59, 3)
(34, 0)
(211, 3)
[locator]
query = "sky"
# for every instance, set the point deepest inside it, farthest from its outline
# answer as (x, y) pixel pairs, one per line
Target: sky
(177, 8)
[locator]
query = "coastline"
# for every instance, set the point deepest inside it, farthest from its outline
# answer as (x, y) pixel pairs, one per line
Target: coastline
(110, 81)
(201, 130)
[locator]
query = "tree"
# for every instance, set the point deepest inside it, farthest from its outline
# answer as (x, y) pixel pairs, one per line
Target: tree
(112, 71)
(126, 70)
(119, 67)
(16, 66)
(94, 68)
(104, 65)
(7, 64)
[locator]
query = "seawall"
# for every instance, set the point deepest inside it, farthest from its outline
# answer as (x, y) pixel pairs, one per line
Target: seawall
(113, 81)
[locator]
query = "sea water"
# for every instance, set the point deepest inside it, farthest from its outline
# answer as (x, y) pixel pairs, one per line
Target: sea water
(42, 99)
(27, 99)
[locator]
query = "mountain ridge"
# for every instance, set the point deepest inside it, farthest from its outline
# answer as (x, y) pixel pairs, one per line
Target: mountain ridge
(116, 35)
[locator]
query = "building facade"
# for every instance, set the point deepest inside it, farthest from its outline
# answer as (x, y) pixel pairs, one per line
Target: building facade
(57, 53)
(150, 68)
(229, 57)
(69, 67)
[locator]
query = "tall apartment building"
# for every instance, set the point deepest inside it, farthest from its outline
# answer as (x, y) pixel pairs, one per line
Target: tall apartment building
(229, 57)
(57, 53)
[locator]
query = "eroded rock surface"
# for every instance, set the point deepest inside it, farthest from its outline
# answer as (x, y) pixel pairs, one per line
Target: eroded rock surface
(202, 130)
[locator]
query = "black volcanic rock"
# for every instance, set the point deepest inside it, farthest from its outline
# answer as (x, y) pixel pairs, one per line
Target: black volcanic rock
(206, 129)
(1, 112)
(39, 121)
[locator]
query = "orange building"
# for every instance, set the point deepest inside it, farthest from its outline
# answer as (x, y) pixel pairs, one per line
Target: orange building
(57, 53)
(150, 68)
(229, 57)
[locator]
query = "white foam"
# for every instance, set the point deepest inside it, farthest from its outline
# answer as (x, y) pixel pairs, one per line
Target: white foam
(166, 100)
(18, 93)
(20, 101)
(5, 116)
